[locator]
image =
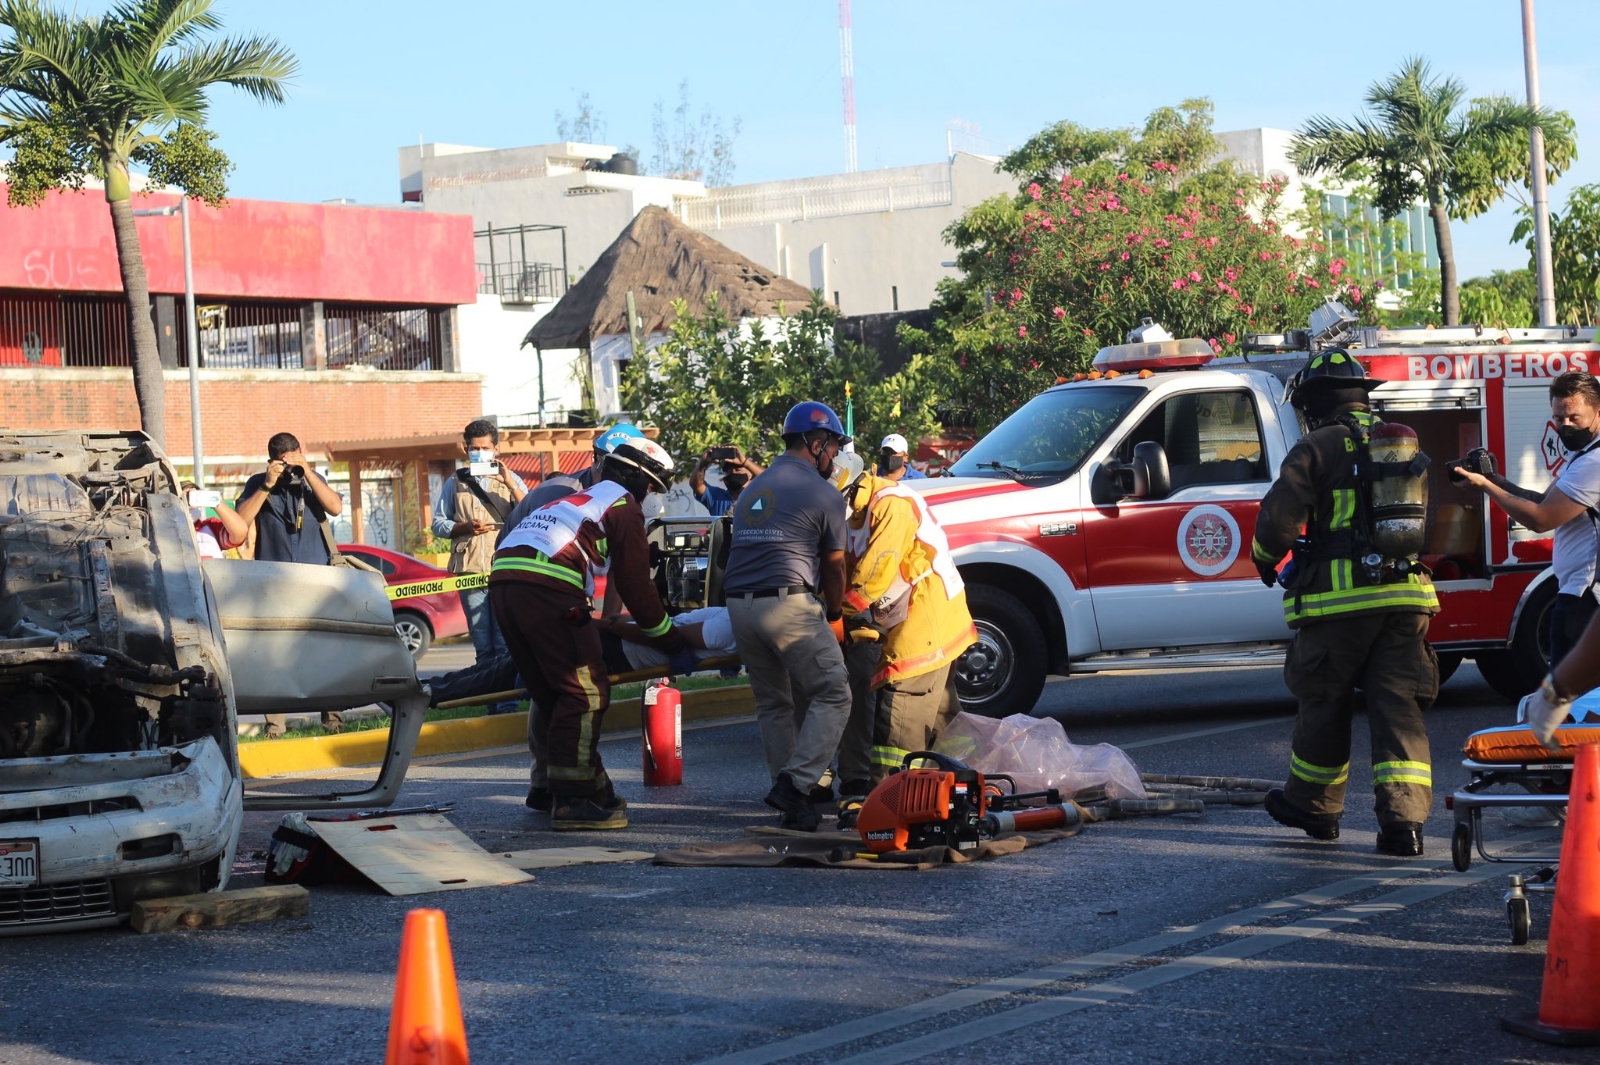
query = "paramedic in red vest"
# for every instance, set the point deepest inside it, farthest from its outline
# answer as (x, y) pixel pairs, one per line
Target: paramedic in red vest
(540, 587)
(469, 512)
(1568, 506)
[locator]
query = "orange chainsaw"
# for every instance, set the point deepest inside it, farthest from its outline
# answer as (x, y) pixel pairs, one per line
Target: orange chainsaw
(949, 804)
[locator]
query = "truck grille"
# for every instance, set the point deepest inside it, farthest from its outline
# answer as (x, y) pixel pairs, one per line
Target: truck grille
(56, 902)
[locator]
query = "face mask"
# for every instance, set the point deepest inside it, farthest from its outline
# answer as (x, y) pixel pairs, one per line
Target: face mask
(1573, 438)
(483, 455)
(735, 482)
(891, 463)
(826, 472)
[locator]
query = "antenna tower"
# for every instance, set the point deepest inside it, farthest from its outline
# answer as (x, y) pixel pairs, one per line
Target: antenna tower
(847, 78)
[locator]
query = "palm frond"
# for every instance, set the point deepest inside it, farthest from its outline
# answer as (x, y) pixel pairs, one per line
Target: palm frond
(153, 25)
(258, 65)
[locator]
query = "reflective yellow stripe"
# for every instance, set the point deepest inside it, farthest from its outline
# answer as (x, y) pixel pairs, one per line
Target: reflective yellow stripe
(1261, 554)
(1343, 573)
(1403, 773)
(1318, 774)
(1344, 508)
(889, 756)
(584, 770)
(534, 565)
(1352, 600)
(658, 630)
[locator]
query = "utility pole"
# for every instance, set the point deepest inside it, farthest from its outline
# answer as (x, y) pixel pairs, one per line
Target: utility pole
(191, 333)
(1541, 194)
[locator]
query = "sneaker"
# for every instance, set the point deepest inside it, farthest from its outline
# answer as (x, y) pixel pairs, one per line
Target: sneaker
(1403, 839)
(580, 813)
(793, 804)
(1317, 826)
(539, 800)
(821, 793)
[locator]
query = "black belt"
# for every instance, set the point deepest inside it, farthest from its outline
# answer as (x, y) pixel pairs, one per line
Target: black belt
(772, 593)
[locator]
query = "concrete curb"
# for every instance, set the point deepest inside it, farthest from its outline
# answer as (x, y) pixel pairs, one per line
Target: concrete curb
(273, 758)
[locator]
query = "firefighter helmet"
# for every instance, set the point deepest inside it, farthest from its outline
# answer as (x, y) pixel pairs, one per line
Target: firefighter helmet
(1329, 369)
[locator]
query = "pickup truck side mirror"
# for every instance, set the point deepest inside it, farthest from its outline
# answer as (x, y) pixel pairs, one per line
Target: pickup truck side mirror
(1145, 476)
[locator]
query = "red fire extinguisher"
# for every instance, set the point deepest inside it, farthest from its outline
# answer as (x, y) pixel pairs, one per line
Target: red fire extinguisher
(662, 728)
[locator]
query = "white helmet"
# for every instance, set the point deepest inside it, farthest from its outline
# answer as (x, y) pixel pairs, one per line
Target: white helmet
(648, 457)
(847, 468)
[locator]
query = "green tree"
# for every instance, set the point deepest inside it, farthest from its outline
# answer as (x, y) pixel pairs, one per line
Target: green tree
(1421, 144)
(90, 95)
(716, 380)
(1506, 299)
(688, 146)
(1574, 254)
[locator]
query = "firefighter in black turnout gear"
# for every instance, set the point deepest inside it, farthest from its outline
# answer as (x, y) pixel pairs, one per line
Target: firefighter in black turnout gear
(1358, 602)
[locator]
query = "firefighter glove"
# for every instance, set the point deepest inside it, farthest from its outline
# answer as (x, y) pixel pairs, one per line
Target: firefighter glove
(1269, 573)
(837, 625)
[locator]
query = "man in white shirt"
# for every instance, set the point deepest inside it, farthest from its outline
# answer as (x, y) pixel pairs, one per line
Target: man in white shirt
(1569, 506)
(707, 631)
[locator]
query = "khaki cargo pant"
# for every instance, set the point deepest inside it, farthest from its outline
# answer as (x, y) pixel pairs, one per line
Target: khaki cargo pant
(797, 676)
(1388, 656)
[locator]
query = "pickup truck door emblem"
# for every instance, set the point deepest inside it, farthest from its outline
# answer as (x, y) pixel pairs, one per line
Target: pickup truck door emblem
(1208, 540)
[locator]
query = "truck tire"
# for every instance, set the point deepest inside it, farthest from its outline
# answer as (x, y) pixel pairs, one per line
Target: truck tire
(1449, 662)
(1003, 673)
(1518, 669)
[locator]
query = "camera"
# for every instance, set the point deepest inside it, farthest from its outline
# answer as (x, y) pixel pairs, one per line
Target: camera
(725, 453)
(1479, 460)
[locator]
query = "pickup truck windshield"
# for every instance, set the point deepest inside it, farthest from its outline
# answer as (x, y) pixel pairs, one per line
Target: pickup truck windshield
(1048, 438)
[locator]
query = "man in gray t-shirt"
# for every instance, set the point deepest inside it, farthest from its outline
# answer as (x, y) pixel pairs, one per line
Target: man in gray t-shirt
(1569, 507)
(785, 592)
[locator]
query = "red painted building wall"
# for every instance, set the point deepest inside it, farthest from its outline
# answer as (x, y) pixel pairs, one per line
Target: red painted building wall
(250, 248)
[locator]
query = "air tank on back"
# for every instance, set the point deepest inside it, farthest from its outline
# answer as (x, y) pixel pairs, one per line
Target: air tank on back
(1399, 503)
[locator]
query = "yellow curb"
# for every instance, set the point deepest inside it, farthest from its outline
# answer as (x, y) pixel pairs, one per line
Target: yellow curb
(271, 758)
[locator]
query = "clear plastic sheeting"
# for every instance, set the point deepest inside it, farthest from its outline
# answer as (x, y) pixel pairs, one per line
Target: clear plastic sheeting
(1035, 752)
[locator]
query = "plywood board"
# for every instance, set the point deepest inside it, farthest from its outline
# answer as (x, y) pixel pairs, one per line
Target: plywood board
(555, 857)
(219, 909)
(416, 853)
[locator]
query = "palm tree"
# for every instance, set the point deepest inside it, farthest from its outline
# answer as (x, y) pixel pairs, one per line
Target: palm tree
(93, 93)
(1420, 145)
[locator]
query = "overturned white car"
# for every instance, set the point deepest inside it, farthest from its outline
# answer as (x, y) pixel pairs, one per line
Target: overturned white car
(123, 665)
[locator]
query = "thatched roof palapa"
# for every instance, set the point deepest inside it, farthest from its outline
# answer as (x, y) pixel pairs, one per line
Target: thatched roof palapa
(661, 260)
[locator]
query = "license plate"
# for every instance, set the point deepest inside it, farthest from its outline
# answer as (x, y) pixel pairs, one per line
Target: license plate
(19, 863)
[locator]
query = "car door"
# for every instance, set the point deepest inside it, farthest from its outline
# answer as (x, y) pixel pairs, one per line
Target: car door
(1175, 572)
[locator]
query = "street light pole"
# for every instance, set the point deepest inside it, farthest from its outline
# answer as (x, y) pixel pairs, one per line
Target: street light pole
(194, 347)
(191, 330)
(1541, 195)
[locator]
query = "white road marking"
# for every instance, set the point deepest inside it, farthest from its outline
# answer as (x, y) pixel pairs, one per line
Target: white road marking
(1205, 732)
(918, 1012)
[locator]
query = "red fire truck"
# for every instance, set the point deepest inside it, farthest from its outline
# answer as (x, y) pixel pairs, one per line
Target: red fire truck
(1107, 523)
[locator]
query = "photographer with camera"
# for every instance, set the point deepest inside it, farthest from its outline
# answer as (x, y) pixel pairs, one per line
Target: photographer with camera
(1568, 506)
(276, 505)
(737, 471)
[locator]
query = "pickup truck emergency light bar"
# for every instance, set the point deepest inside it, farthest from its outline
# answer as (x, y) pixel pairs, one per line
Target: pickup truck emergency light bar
(1161, 355)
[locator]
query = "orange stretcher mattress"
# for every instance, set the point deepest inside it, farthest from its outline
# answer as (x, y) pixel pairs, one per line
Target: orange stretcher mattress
(1510, 744)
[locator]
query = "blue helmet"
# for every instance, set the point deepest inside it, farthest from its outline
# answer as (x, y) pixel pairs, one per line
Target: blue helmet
(804, 417)
(607, 441)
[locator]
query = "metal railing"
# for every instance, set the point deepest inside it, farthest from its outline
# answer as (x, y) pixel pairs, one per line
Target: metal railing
(245, 336)
(869, 192)
(406, 339)
(518, 282)
(64, 331)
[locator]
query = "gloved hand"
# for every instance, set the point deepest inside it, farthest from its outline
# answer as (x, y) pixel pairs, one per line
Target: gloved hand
(1268, 571)
(837, 625)
(682, 662)
(1544, 710)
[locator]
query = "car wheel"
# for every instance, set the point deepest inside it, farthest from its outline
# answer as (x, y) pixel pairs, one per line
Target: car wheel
(414, 632)
(1518, 669)
(1004, 672)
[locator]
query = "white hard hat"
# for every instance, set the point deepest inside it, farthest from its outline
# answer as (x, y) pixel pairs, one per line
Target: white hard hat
(896, 443)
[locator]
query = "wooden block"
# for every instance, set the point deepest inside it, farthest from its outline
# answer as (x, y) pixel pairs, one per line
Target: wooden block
(217, 909)
(556, 857)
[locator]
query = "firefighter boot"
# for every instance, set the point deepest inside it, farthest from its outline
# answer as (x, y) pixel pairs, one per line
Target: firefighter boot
(793, 804)
(1317, 826)
(1403, 839)
(539, 800)
(586, 813)
(852, 793)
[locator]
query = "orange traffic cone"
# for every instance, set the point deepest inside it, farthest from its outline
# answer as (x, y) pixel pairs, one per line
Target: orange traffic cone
(425, 1024)
(1569, 1009)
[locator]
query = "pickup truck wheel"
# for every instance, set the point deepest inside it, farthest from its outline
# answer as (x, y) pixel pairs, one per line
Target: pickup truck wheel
(1518, 669)
(414, 632)
(1003, 673)
(1449, 662)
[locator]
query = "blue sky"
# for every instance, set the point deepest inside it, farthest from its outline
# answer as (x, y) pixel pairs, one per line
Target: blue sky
(375, 76)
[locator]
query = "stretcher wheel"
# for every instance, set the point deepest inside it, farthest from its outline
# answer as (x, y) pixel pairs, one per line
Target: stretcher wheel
(1461, 846)
(1521, 917)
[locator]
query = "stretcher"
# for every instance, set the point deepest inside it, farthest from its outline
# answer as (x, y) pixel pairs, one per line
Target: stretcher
(1510, 757)
(708, 665)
